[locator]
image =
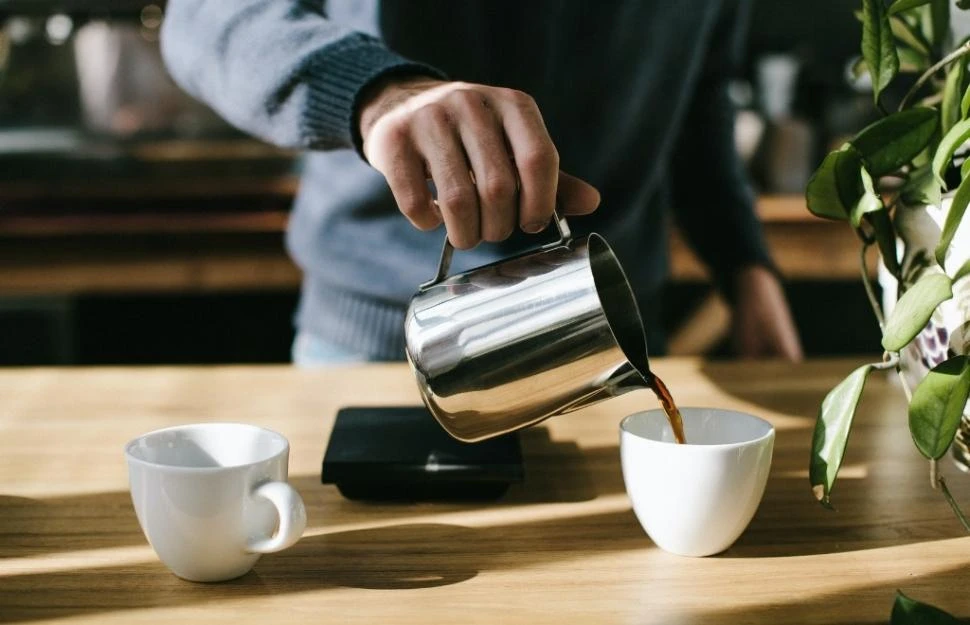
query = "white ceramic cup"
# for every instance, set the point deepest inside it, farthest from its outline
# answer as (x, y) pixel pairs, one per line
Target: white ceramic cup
(212, 497)
(695, 499)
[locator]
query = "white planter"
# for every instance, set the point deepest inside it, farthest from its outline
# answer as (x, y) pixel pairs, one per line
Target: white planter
(948, 332)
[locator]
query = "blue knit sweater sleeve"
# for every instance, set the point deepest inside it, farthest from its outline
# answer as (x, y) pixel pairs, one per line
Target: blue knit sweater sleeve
(277, 69)
(713, 202)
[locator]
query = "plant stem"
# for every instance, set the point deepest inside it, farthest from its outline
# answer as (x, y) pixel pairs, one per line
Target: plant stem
(865, 237)
(889, 361)
(906, 390)
(949, 58)
(870, 292)
(953, 504)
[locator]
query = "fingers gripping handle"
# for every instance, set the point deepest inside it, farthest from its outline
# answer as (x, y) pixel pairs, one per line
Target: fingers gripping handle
(448, 250)
(292, 515)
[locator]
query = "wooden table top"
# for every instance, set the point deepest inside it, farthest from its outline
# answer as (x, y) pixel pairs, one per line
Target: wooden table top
(562, 547)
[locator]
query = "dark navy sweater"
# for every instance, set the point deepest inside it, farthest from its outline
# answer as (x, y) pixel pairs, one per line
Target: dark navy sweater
(634, 93)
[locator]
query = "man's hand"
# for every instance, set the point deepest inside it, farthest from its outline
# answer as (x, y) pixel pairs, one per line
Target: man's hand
(763, 326)
(486, 149)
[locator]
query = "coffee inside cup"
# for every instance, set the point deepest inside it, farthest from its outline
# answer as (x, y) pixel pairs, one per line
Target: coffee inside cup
(706, 426)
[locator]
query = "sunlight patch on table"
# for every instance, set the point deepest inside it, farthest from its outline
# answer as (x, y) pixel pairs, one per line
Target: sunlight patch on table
(76, 560)
(490, 517)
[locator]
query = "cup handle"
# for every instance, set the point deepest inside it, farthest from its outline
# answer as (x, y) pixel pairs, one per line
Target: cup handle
(448, 250)
(292, 513)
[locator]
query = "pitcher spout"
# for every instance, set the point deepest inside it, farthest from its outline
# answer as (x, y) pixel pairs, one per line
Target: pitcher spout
(625, 379)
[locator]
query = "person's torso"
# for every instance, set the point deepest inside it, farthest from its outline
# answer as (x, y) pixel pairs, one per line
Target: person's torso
(612, 78)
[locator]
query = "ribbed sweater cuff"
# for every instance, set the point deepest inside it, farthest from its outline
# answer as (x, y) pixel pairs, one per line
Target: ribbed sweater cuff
(339, 75)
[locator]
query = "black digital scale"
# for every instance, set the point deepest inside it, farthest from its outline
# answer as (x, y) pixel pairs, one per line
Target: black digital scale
(402, 453)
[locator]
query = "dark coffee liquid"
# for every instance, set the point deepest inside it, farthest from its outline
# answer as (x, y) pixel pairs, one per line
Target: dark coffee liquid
(667, 401)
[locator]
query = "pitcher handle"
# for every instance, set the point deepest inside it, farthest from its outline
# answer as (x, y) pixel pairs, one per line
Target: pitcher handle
(448, 250)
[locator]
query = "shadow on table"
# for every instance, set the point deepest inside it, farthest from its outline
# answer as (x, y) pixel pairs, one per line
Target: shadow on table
(408, 555)
(399, 555)
(852, 604)
(31, 527)
(871, 509)
(414, 556)
(761, 387)
(89, 521)
(561, 471)
(404, 556)
(556, 471)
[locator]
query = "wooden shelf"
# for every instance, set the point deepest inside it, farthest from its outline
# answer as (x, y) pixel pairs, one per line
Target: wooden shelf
(784, 209)
(139, 263)
(268, 222)
(804, 247)
(140, 190)
(200, 251)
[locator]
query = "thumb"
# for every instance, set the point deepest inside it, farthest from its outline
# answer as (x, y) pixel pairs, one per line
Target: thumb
(576, 197)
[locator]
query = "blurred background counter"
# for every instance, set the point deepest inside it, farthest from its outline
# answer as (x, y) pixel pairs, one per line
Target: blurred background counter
(137, 227)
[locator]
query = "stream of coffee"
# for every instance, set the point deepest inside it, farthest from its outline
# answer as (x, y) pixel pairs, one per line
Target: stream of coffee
(667, 401)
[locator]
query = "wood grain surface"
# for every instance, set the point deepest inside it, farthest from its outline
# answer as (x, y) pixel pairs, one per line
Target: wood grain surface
(563, 547)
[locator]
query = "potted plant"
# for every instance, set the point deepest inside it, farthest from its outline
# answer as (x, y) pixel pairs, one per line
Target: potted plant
(903, 185)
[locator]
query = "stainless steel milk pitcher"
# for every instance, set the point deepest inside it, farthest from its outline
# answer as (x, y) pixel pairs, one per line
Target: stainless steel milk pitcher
(507, 345)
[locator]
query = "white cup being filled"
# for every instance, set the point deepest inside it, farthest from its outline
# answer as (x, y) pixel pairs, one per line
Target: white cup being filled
(212, 497)
(695, 499)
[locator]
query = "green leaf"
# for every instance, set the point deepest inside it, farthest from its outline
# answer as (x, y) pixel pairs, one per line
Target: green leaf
(893, 141)
(962, 272)
(952, 140)
(869, 201)
(953, 90)
(937, 406)
(964, 169)
(940, 19)
(907, 35)
(904, 5)
(963, 4)
(832, 432)
(913, 310)
(923, 158)
(878, 48)
(907, 611)
(953, 218)
(921, 189)
(910, 62)
(885, 232)
(835, 186)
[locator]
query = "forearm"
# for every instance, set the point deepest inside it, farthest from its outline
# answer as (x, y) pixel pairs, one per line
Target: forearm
(713, 202)
(277, 69)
